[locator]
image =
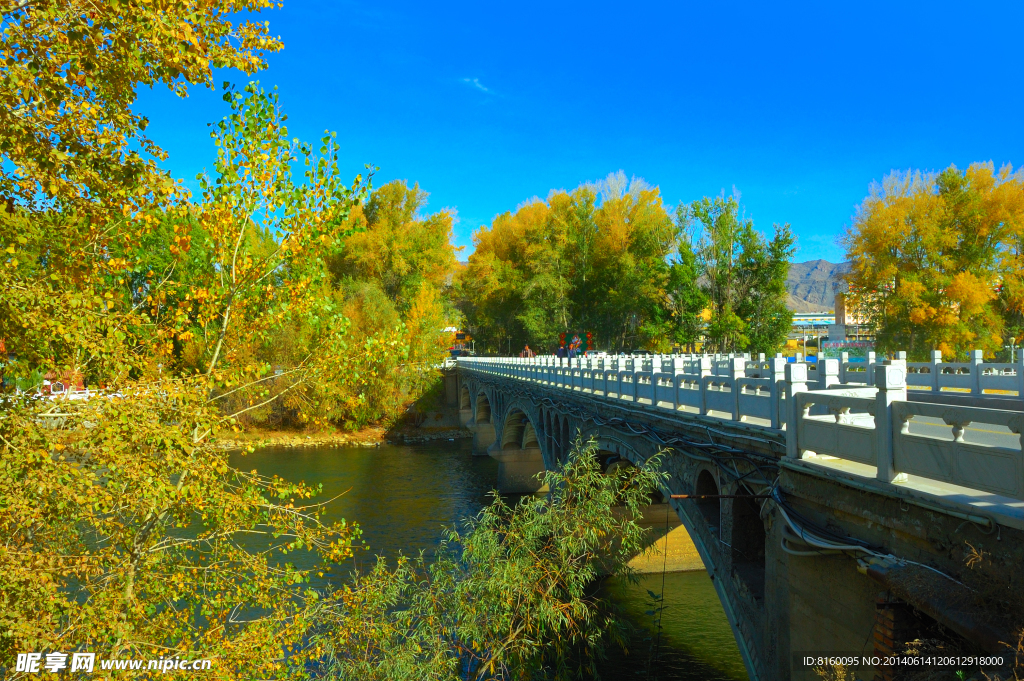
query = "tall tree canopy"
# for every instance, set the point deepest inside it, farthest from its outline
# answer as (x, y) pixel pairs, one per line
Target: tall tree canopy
(397, 248)
(591, 259)
(938, 258)
(609, 258)
(71, 68)
(393, 278)
(742, 275)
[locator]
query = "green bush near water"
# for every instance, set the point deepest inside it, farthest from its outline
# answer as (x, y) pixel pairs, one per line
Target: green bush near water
(513, 596)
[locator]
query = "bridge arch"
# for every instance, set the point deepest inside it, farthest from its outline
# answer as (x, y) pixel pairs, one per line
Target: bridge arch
(748, 541)
(476, 402)
(519, 425)
(518, 431)
(482, 412)
(520, 446)
(711, 509)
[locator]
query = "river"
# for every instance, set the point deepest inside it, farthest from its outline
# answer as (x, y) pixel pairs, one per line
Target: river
(403, 496)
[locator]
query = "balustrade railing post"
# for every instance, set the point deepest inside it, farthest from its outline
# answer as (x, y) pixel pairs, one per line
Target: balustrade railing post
(891, 381)
(936, 370)
(678, 367)
(844, 357)
(704, 368)
(737, 370)
(638, 368)
(828, 373)
(777, 387)
(869, 369)
(976, 360)
(796, 382)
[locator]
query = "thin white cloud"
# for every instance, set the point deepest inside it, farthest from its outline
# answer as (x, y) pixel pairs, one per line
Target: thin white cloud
(475, 82)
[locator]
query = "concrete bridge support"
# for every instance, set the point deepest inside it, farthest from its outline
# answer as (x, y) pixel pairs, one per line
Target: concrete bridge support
(475, 414)
(518, 470)
(519, 456)
(483, 437)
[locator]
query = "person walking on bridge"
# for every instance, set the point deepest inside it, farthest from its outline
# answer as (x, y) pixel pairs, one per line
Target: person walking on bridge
(527, 352)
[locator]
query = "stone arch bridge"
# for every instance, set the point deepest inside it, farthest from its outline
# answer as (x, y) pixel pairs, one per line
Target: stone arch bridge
(812, 553)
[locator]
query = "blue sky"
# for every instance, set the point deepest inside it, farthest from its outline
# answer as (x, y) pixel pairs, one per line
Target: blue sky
(798, 106)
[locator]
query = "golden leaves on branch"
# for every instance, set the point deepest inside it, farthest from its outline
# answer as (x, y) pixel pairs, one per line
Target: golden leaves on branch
(70, 77)
(937, 260)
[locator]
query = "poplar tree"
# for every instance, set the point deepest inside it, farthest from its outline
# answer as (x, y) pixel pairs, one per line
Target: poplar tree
(688, 300)
(937, 260)
(743, 275)
(594, 259)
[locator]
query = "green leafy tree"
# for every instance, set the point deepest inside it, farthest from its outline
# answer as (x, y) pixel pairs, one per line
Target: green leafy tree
(764, 267)
(743, 277)
(937, 260)
(591, 259)
(509, 597)
(688, 300)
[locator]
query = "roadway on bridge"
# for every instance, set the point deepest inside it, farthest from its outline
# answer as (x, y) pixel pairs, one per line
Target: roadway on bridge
(983, 434)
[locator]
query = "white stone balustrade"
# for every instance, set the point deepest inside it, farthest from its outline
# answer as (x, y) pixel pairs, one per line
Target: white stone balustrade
(837, 414)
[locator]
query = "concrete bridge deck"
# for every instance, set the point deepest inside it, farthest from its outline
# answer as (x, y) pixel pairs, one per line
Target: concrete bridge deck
(873, 500)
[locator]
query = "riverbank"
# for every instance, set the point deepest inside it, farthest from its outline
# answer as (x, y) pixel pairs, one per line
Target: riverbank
(367, 437)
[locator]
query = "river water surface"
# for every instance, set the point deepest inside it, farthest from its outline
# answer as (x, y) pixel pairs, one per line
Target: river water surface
(403, 496)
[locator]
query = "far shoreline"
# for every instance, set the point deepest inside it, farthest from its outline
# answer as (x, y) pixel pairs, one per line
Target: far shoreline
(365, 437)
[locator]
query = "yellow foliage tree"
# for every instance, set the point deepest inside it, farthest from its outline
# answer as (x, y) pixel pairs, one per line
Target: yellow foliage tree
(397, 248)
(70, 135)
(938, 260)
(593, 259)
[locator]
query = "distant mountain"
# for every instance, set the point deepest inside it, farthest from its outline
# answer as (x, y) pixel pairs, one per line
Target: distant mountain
(812, 285)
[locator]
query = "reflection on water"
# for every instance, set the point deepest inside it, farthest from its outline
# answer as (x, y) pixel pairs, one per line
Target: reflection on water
(403, 497)
(696, 642)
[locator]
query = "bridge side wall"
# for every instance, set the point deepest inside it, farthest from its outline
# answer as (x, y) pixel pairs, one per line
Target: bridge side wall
(795, 604)
(691, 543)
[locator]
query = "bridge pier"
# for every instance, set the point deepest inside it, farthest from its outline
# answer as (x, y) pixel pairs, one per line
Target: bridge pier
(518, 470)
(483, 437)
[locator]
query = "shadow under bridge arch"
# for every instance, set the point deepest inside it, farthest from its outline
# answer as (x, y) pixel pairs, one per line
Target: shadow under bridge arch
(519, 452)
(465, 406)
(476, 414)
(669, 546)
